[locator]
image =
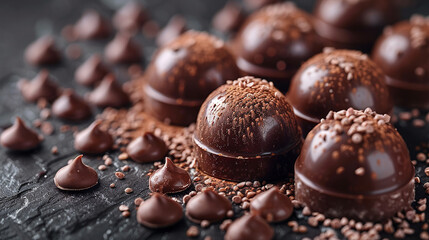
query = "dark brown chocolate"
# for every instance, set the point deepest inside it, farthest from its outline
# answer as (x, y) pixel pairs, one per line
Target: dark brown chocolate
(70, 106)
(336, 80)
(19, 137)
(147, 148)
(249, 227)
(208, 205)
(130, 17)
(41, 87)
(93, 140)
(169, 179)
(174, 28)
(183, 73)
(92, 71)
(355, 164)
(122, 49)
(76, 176)
(159, 211)
(229, 18)
(274, 41)
(353, 24)
(42, 52)
(257, 4)
(92, 26)
(109, 94)
(402, 53)
(246, 130)
(272, 205)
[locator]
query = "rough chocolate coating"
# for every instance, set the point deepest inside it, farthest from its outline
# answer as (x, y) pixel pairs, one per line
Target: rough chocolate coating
(272, 205)
(209, 206)
(70, 106)
(274, 41)
(19, 137)
(43, 51)
(159, 211)
(109, 93)
(76, 176)
(355, 164)
(336, 80)
(147, 148)
(249, 227)
(93, 140)
(402, 53)
(41, 87)
(92, 26)
(169, 179)
(353, 24)
(183, 73)
(246, 130)
(92, 71)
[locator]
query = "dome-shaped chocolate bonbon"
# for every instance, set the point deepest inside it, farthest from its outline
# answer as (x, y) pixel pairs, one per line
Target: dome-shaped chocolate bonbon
(247, 130)
(355, 164)
(183, 74)
(274, 41)
(402, 52)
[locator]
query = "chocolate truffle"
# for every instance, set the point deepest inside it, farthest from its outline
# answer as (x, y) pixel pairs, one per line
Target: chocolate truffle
(92, 26)
(109, 94)
(272, 205)
(246, 130)
(355, 164)
(169, 179)
(41, 87)
(402, 53)
(353, 24)
(42, 52)
(19, 137)
(159, 211)
(130, 17)
(147, 148)
(93, 140)
(174, 28)
(208, 206)
(92, 71)
(336, 80)
(249, 227)
(183, 73)
(122, 49)
(70, 106)
(76, 176)
(229, 18)
(274, 41)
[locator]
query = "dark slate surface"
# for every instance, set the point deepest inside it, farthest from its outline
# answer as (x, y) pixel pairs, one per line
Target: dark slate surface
(31, 207)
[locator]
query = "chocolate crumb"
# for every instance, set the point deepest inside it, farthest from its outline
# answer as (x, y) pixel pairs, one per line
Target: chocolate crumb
(192, 231)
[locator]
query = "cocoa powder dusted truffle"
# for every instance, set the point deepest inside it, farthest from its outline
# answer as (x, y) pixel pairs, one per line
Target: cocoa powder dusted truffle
(159, 211)
(274, 41)
(353, 24)
(19, 137)
(169, 179)
(402, 53)
(183, 73)
(355, 164)
(336, 80)
(208, 206)
(41, 87)
(76, 176)
(246, 130)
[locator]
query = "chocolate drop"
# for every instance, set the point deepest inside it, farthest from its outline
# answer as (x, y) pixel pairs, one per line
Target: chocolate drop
(169, 179)
(92, 26)
(19, 137)
(43, 51)
(207, 205)
(249, 227)
(159, 211)
(41, 87)
(76, 176)
(122, 49)
(70, 106)
(272, 205)
(257, 4)
(174, 28)
(109, 94)
(147, 148)
(130, 17)
(92, 71)
(229, 18)
(93, 140)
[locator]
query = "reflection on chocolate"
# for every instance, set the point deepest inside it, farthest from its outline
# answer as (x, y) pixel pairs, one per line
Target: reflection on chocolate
(256, 4)
(41, 87)
(92, 26)
(274, 41)
(122, 49)
(207, 205)
(109, 94)
(402, 53)
(42, 51)
(174, 28)
(93, 140)
(355, 164)
(19, 137)
(159, 211)
(272, 205)
(229, 18)
(249, 227)
(130, 17)
(147, 148)
(246, 130)
(336, 80)
(169, 179)
(91, 71)
(71, 107)
(183, 73)
(76, 176)
(353, 24)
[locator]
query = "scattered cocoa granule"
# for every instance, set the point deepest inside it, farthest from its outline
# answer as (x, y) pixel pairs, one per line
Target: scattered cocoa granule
(205, 224)
(125, 168)
(120, 175)
(45, 113)
(126, 214)
(123, 156)
(73, 51)
(123, 208)
(138, 201)
(54, 150)
(47, 128)
(112, 185)
(225, 224)
(108, 161)
(192, 231)
(128, 190)
(102, 167)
